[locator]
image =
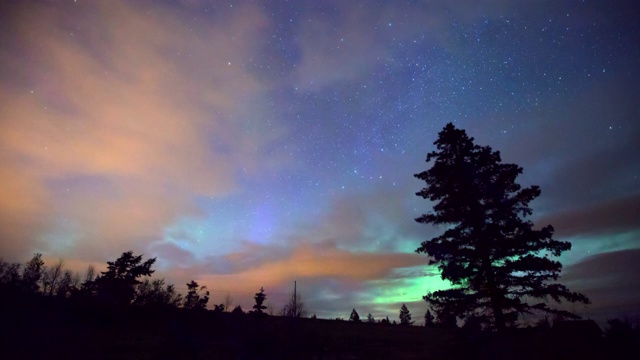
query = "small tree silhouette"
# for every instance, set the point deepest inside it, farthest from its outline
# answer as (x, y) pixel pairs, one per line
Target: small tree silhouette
(237, 311)
(445, 317)
(429, 320)
(260, 297)
(51, 278)
(154, 294)
(295, 307)
(117, 285)
(405, 316)
(228, 302)
(9, 275)
(68, 284)
(354, 316)
(32, 273)
(197, 296)
(370, 319)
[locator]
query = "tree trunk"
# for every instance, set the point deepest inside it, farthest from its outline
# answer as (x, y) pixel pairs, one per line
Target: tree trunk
(497, 313)
(496, 298)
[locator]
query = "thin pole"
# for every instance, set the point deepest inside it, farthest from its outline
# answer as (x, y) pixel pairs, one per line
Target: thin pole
(295, 299)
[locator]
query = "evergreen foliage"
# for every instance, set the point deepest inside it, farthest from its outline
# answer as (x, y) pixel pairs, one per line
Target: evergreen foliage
(155, 294)
(237, 311)
(429, 320)
(354, 316)
(118, 284)
(10, 277)
(260, 297)
(370, 319)
(32, 273)
(496, 261)
(405, 316)
(197, 296)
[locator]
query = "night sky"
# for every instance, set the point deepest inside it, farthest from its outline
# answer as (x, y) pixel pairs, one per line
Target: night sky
(249, 144)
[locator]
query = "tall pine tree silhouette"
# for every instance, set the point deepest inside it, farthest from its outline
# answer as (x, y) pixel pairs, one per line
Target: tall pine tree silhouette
(499, 264)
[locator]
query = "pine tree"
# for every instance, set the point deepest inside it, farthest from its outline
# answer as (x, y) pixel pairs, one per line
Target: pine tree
(496, 261)
(260, 297)
(354, 316)
(117, 285)
(156, 294)
(429, 320)
(370, 319)
(32, 274)
(237, 311)
(197, 296)
(405, 316)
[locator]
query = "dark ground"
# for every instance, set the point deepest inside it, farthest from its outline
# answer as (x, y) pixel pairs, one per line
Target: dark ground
(49, 330)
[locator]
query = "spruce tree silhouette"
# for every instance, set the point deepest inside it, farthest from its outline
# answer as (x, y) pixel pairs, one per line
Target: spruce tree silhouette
(32, 273)
(117, 285)
(197, 296)
(237, 311)
(354, 316)
(429, 320)
(497, 262)
(370, 319)
(260, 297)
(405, 316)
(156, 294)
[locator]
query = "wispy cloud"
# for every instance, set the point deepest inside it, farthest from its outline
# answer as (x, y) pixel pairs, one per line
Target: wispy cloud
(112, 134)
(608, 279)
(609, 217)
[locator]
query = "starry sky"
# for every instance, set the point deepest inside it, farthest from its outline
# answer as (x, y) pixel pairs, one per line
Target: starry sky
(254, 143)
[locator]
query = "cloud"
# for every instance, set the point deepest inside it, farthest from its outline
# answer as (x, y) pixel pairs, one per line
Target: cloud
(378, 219)
(115, 135)
(169, 253)
(608, 217)
(610, 280)
(328, 278)
(609, 171)
(324, 260)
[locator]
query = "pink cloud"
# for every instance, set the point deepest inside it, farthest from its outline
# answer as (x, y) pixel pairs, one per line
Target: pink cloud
(103, 102)
(313, 261)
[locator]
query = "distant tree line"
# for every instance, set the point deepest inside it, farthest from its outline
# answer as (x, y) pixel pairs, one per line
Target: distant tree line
(404, 317)
(125, 283)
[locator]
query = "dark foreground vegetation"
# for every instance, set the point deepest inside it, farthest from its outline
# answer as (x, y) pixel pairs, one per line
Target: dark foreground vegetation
(36, 327)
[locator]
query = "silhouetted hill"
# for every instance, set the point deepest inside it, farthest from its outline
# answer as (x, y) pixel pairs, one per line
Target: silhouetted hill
(36, 327)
